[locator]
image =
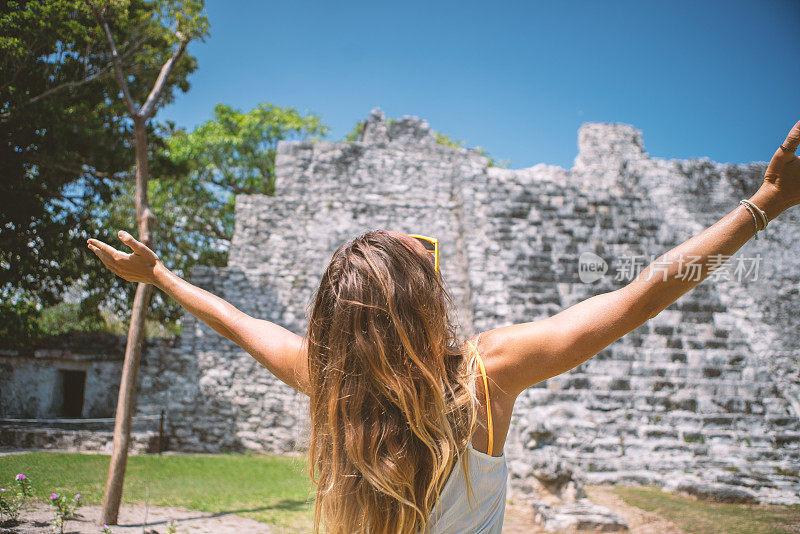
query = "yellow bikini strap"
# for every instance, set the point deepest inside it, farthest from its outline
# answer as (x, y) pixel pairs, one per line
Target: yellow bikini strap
(486, 389)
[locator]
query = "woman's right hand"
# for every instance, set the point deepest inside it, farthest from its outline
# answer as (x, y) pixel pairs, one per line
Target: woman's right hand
(783, 172)
(139, 266)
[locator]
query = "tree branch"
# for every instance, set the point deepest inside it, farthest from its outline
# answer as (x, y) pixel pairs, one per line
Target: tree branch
(115, 58)
(231, 187)
(70, 85)
(102, 73)
(86, 61)
(217, 232)
(135, 35)
(77, 172)
(158, 87)
(66, 85)
(71, 200)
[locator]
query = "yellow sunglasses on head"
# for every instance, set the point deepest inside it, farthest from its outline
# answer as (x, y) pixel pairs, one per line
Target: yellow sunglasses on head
(431, 245)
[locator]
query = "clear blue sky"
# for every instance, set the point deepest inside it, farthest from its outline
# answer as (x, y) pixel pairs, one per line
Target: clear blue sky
(700, 78)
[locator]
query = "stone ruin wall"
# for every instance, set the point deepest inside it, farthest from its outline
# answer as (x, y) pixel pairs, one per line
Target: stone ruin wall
(33, 411)
(706, 392)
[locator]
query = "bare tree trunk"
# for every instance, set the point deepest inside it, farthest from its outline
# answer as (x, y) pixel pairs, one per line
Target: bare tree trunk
(145, 221)
(127, 398)
(133, 349)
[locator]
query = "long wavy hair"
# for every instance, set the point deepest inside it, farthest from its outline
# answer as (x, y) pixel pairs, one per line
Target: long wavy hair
(392, 405)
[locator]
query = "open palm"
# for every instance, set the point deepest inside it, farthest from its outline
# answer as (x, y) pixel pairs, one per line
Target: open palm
(138, 266)
(783, 171)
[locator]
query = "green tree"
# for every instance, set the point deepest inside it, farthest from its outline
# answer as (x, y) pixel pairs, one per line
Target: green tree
(176, 23)
(67, 141)
(19, 322)
(197, 175)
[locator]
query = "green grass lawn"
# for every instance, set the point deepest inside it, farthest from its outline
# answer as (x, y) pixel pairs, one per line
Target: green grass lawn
(702, 517)
(276, 490)
(270, 489)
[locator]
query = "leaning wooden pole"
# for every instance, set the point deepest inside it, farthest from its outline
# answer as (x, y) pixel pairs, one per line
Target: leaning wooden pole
(133, 348)
(145, 221)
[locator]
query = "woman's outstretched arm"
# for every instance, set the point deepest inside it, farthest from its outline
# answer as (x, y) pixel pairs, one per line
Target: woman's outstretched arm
(276, 348)
(527, 353)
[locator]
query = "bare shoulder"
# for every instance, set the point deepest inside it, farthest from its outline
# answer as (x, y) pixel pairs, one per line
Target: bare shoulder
(521, 355)
(491, 348)
(502, 397)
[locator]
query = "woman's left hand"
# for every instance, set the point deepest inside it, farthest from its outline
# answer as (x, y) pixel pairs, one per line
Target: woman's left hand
(783, 172)
(139, 266)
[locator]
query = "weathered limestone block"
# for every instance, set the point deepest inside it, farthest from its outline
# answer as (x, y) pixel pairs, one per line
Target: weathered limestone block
(716, 492)
(580, 516)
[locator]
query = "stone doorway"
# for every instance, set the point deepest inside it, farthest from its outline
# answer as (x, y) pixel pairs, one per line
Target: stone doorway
(73, 385)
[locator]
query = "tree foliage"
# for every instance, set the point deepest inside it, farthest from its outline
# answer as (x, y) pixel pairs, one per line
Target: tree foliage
(67, 146)
(196, 176)
(19, 323)
(67, 140)
(68, 159)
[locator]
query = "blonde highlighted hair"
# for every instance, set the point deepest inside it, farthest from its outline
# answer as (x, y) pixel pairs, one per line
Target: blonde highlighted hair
(392, 404)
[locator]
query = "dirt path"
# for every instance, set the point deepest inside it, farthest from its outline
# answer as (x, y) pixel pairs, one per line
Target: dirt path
(519, 520)
(639, 521)
(519, 517)
(38, 518)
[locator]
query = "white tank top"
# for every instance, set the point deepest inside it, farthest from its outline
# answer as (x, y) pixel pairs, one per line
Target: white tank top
(488, 476)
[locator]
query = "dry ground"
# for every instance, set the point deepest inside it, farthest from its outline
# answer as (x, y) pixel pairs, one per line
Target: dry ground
(39, 519)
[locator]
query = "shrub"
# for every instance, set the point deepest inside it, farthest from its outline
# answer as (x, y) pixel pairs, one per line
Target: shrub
(65, 509)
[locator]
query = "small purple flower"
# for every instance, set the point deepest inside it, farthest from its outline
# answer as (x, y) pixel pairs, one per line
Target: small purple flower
(54, 495)
(20, 476)
(2, 490)
(78, 496)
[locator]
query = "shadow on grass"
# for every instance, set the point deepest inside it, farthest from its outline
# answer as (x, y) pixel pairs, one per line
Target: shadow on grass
(288, 505)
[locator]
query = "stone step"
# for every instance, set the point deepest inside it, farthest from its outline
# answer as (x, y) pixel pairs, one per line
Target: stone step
(139, 423)
(730, 386)
(20, 437)
(771, 454)
(669, 355)
(657, 401)
(722, 397)
(762, 461)
(689, 421)
(668, 368)
(649, 432)
(730, 487)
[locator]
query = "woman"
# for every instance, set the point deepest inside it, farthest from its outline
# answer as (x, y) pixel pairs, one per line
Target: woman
(408, 424)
